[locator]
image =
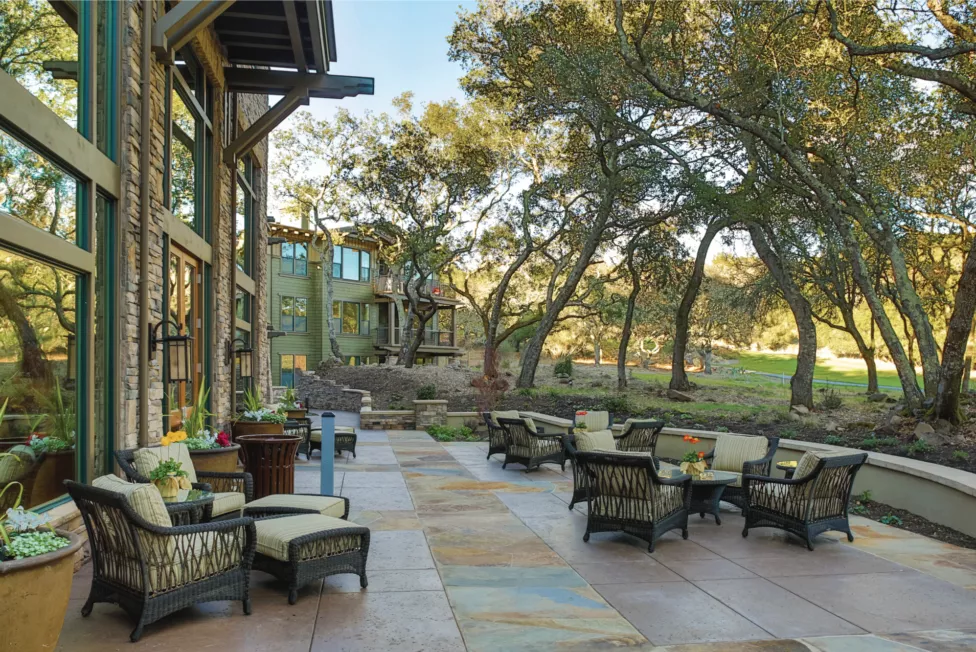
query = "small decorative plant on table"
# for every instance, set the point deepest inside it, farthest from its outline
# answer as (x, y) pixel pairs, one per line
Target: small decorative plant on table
(291, 405)
(693, 462)
(580, 426)
(169, 477)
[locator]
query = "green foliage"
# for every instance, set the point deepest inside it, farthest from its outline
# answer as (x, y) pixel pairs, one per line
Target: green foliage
(32, 544)
(859, 509)
(427, 392)
(564, 367)
(919, 448)
(960, 455)
(834, 440)
(830, 399)
(864, 496)
(530, 392)
(256, 412)
(891, 519)
(452, 433)
(198, 415)
(167, 468)
(617, 404)
(289, 399)
(397, 402)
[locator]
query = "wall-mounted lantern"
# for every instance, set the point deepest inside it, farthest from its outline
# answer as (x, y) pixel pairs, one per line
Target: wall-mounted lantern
(178, 350)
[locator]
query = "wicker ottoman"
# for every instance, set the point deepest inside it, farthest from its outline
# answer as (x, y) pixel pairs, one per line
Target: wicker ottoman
(345, 440)
(280, 504)
(302, 548)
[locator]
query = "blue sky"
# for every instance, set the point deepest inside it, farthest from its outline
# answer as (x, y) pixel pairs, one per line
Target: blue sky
(402, 44)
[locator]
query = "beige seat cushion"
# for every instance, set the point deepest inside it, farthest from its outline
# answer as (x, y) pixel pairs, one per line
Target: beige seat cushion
(316, 434)
(594, 419)
(793, 500)
(732, 451)
(809, 462)
(227, 502)
(145, 499)
(597, 440)
(147, 459)
(275, 534)
(505, 414)
(325, 505)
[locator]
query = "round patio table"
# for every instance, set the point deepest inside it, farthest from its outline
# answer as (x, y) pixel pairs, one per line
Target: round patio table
(189, 506)
(707, 494)
(270, 459)
(788, 469)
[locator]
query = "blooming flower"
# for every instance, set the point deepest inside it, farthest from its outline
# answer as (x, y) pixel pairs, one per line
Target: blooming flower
(223, 439)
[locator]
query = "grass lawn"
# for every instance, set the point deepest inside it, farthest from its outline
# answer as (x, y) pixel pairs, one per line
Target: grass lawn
(841, 369)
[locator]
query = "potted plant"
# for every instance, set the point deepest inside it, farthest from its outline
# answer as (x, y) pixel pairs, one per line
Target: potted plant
(256, 419)
(210, 450)
(693, 462)
(169, 477)
(55, 448)
(292, 406)
(36, 568)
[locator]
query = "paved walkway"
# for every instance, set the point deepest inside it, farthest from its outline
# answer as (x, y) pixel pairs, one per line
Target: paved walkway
(466, 556)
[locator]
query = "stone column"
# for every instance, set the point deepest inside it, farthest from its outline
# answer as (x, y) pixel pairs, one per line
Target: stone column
(430, 413)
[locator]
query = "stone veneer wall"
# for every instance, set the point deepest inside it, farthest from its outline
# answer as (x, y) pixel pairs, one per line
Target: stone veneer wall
(430, 413)
(387, 420)
(209, 51)
(324, 394)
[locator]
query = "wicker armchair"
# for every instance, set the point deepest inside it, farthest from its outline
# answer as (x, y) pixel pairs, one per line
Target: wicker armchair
(525, 446)
(814, 501)
(152, 571)
(301, 427)
(496, 435)
(625, 494)
(218, 483)
(345, 440)
(639, 436)
(743, 455)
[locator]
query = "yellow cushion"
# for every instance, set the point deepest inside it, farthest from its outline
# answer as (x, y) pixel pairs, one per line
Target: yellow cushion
(226, 502)
(145, 499)
(596, 440)
(530, 424)
(594, 419)
(732, 451)
(147, 459)
(325, 505)
(275, 534)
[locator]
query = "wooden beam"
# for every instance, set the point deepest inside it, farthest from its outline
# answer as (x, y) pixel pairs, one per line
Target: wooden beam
(295, 33)
(176, 27)
(266, 123)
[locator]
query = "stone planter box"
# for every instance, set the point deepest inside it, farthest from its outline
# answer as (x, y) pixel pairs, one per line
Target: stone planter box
(34, 593)
(216, 460)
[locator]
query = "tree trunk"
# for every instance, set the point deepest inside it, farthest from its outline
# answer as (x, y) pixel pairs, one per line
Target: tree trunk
(533, 350)
(596, 352)
(635, 288)
(866, 351)
(328, 256)
(956, 341)
(801, 384)
(423, 316)
(679, 379)
(32, 362)
(707, 359)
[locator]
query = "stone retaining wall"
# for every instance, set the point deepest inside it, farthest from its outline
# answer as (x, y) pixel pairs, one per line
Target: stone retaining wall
(324, 394)
(430, 413)
(387, 420)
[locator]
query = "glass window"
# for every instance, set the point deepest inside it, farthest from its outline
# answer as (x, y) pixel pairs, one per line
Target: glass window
(288, 314)
(294, 258)
(301, 315)
(39, 48)
(106, 136)
(350, 264)
(183, 160)
(38, 370)
(37, 191)
(244, 223)
(350, 318)
(289, 364)
(301, 259)
(243, 305)
(287, 258)
(364, 271)
(336, 262)
(337, 316)
(105, 333)
(364, 321)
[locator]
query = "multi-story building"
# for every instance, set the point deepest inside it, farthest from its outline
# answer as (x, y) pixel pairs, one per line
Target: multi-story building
(363, 310)
(133, 194)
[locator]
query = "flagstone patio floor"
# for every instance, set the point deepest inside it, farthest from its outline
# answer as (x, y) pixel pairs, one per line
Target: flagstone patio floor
(467, 556)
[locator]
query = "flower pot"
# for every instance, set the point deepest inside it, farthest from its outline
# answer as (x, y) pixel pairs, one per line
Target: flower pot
(34, 593)
(694, 468)
(296, 414)
(216, 460)
(169, 487)
(54, 469)
(257, 428)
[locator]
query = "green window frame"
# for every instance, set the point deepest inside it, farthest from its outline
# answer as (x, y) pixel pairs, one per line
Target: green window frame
(244, 215)
(349, 264)
(288, 364)
(294, 258)
(350, 317)
(294, 314)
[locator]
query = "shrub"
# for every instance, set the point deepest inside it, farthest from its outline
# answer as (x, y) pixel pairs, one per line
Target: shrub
(830, 399)
(451, 433)
(864, 496)
(527, 391)
(427, 392)
(920, 447)
(564, 367)
(834, 440)
(891, 519)
(961, 456)
(617, 404)
(396, 402)
(859, 509)
(869, 443)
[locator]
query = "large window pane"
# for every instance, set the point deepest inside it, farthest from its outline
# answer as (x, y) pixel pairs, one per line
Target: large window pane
(350, 318)
(350, 264)
(287, 258)
(301, 260)
(288, 370)
(37, 191)
(301, 315)
(240, 228)
(105, 330)
(287, 314)
(183, 162)
(38, 372)
(336, 262)
(364, 271)
(364, 320)
(39, 48)
(106, 91)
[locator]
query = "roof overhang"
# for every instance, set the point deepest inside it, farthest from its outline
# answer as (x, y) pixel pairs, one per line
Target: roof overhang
(281, 82)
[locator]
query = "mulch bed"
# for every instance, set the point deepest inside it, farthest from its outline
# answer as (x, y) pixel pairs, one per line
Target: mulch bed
(908, 521)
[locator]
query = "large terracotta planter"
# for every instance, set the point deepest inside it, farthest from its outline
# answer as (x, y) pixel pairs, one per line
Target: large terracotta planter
(216, 460)
(55, 468)
(34, 593)
(256, 428)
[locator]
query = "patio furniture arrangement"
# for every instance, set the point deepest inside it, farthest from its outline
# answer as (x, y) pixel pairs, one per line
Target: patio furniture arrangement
(301, 549)
(150, 568)
(301, 427)
(345, 440)
(524, 445)
(626, 494)
(706, 493)
(287, 504)
(230, 490)
(270, 459)
(639, 435)
(742, 454)
(813, 501)
(496, 434)
(190, 506)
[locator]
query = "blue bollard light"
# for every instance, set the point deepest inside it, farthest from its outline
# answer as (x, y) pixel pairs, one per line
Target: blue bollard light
(327, 480)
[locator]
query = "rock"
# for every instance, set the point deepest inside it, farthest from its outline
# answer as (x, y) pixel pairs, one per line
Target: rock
(925, 432)
(831, 426)
(894, 420)
(880, 397)
(800, 409)
(681, 397)
(942, 426)
(793, 416)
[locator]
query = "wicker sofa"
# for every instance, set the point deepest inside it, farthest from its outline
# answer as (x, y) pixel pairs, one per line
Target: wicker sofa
(523, 445)
(151, 569)
(625, 494)
(815, 500)
(639, 436)
(742, 454)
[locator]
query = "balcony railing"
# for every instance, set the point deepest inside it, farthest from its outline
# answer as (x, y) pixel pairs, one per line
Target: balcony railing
(385, 336)
(387, 285)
